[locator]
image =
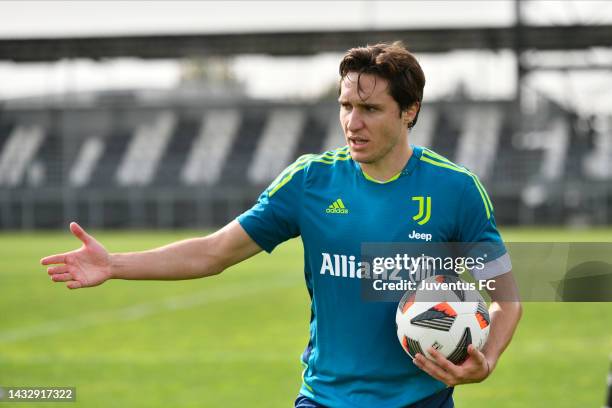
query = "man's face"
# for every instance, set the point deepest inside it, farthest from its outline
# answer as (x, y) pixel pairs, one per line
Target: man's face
(370, 118)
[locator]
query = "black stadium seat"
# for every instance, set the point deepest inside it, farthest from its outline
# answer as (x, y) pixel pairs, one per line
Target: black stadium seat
(176, 197)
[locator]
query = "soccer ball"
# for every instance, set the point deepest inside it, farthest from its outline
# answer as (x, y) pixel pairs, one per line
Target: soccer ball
(445, 313)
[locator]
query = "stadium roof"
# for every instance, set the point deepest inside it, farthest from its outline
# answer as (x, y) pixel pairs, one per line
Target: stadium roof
(572, 37)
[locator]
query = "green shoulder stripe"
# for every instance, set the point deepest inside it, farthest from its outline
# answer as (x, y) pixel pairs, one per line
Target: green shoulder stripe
(328, 158)
(290, 168)
(475, 177)
(445, 163)
(304, 158)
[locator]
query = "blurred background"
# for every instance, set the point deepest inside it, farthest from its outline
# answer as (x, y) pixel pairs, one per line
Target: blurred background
(178, 114)
(153, 121)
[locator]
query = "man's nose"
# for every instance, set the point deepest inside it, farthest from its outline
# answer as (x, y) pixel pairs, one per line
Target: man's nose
(354, 121)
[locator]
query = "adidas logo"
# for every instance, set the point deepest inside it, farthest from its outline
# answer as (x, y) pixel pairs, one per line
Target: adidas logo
(337, 207)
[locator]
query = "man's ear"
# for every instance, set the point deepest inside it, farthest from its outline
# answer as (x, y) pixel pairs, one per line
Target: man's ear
(407, 117)
(410, 113)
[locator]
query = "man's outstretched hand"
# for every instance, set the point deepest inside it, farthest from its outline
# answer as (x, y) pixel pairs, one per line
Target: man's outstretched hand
(87, 266)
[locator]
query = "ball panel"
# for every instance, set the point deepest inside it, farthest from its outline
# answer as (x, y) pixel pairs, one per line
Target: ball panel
(460, 353)
(439, 340)
(407, 301)
(446, 309)
(411, 346)
(465, 307)
(439, 317)
(478, 335)
(482, 315)
(443, 324)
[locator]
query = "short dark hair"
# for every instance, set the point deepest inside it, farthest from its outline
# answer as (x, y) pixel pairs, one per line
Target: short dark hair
(394, 63)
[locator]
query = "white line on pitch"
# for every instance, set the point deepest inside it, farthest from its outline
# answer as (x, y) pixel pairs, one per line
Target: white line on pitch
(220, 356)
(142, 310)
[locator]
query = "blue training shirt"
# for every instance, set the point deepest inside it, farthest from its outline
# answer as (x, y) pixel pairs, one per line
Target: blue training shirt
(353, 358)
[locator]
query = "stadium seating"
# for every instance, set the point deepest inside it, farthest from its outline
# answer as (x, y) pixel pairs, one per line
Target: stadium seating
(132, 163)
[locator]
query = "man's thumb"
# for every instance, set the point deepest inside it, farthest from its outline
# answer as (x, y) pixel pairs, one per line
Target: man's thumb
(79, 232)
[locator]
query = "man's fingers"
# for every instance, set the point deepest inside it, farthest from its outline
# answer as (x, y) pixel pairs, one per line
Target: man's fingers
(442, 361)
(73, 284)
(432, 369)
(62, 277)
(53, 270)
(476, 354)
(479, 358)
(80, 233)
(443, 370)
(53, 259)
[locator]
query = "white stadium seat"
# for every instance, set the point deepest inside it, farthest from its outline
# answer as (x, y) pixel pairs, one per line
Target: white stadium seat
(86, 161)
(144, 151)
(19, 152)
(277, 144)
(211, 148)
(479, 139)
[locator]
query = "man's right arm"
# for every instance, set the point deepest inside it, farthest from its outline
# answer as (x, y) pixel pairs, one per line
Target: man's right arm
(91, 265)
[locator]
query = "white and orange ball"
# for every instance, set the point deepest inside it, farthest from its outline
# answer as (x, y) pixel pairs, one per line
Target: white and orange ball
(448, 318)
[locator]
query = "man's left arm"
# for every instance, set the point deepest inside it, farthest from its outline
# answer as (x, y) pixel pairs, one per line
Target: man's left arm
(505, 312)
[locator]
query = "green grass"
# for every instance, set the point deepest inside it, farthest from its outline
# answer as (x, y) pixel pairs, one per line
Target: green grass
(234, 340)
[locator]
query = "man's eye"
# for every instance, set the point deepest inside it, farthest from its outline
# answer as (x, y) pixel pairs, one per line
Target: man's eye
(346, 106)
(371, 109)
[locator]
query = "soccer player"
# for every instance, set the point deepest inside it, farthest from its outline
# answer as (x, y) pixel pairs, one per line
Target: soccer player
(366, 191)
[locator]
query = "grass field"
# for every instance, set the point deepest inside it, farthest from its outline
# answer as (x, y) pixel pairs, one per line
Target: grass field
(234, 340)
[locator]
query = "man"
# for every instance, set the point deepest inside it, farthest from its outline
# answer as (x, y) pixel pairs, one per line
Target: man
(336, 201)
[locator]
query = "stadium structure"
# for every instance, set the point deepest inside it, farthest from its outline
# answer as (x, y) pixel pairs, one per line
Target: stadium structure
(197, 159)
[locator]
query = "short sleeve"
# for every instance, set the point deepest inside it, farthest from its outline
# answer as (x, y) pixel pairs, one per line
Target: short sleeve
(275, 216)
(476, 224)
